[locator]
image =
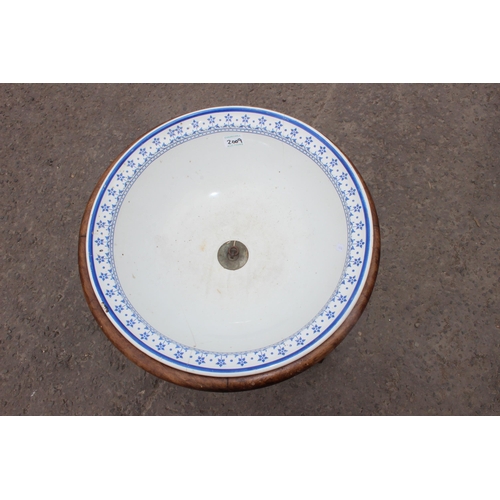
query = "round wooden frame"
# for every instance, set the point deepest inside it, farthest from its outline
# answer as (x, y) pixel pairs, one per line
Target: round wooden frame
(222, 384)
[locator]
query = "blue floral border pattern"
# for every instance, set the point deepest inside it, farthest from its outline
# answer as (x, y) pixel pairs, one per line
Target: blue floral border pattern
(129, 167)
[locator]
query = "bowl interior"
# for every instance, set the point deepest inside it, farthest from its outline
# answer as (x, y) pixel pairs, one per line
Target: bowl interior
(202, 194)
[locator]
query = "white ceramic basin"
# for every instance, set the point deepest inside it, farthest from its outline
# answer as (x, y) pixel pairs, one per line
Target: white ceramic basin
(232, 174)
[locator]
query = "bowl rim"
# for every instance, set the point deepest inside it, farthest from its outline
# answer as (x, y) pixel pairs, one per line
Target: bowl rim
(221, 383)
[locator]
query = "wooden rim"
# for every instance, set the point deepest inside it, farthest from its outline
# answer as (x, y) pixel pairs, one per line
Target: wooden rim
(222, 384)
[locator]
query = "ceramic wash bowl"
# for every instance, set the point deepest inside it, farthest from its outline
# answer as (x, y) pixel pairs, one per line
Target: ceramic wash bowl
(229, 249)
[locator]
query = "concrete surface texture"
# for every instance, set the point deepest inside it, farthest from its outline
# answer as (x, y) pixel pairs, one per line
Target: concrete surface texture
(428, 342)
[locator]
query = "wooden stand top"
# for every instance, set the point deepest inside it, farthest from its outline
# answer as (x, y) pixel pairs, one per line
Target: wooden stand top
(222, 384)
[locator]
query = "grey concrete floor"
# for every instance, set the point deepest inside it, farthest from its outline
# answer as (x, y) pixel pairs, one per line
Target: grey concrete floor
(428, 342)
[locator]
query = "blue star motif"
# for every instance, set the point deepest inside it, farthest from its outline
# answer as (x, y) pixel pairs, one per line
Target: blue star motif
(111, 192)
(294, 132)
(200, 360)
(357, 262)
(100, 259)
(360, 225)
(143, 151)
(262, 357)
(262, 121)
(195, 124)
(357, 208)
(330, 314)
(343, 176)
(278, 125)
(221, 362)
(101, 224)
(179, 354)
(131, 163)
(130, 323)
(119, 308)
(282, 351)
(322, 150)
(103, 276)
(120, 177)
(342, 298)
(156, 142)
(144, 336)
(359, 243)
(110, 293)
(228, 118)
(316, 328)
(161, 346)
(242, 361)
(308, 140)
(333, 162)
(99, 241)
(300, 341)
(171, 132)
(211, 120)
(179, 130)
(352, 279)
(105, 208)
(245, 118)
